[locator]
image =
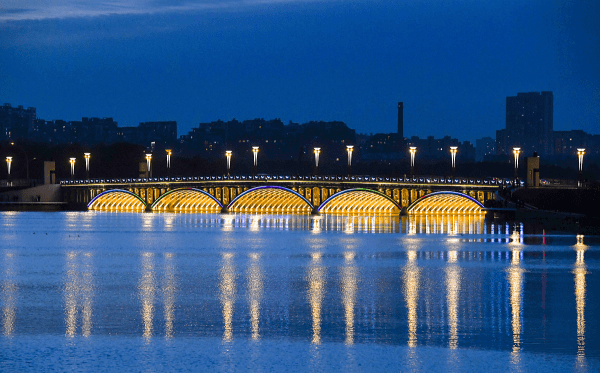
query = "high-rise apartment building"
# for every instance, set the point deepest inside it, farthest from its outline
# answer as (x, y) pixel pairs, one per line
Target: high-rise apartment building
(529, 124)
(484, 147)
(16, 122)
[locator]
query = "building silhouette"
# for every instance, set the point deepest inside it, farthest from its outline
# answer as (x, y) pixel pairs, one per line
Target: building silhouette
(484, 147)
(16, 122)
(529, 124)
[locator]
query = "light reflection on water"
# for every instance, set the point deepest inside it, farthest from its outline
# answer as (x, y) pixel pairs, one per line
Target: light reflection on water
(78, 293)
(169, 289)
(316, 290)
(147, 288)
(451, 282)
(349, 290)
(580, 294)
(227, 287)
(255, 291)
(9, 294)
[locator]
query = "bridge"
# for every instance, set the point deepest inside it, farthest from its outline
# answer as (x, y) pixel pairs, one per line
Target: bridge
(285, 194)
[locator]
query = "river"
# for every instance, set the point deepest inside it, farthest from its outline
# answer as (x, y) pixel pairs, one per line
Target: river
(101, 291)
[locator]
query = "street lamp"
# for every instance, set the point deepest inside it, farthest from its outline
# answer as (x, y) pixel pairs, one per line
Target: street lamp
(149, 164)
(516, 152)
(255, 152)
(317, 151)
(87, 164)
(580, 154)
(413, 151)
(72, 162)
(349, 149)
(228, 155)
(453, 150)
(8, 163)
(169, 152)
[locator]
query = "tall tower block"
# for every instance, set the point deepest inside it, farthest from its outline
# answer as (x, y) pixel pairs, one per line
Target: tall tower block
(401, 119)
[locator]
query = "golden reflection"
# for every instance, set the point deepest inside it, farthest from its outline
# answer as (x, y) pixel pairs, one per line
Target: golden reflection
(255, 224)
(228, 221)
(147, 288)
(9, 296)
(452, 296)
(71, 295)
(449, 223)
(580, 294)
(316, 289)
(515, 279)
(169, 288)
(78, 293)
(349, 289)
(411, 295)
(316, 224)
(255, 291)
(227, 288)
(87, 292)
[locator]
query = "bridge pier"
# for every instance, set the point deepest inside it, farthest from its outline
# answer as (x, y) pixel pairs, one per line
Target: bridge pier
(224, 210)
(315, 211)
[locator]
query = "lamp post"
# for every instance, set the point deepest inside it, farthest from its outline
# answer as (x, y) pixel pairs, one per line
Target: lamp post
(87, 164)
(149, 164)
(72, 162)
(317, 151)
(413, 151)
(453, 150)
(255, 167)
(26, 160)
(169, 152)
(228, 155)
(580, 154)
(516, 152)
(8, 164)
(349, 149)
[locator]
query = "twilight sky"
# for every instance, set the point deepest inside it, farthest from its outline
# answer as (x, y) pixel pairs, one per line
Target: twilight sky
(452, 62)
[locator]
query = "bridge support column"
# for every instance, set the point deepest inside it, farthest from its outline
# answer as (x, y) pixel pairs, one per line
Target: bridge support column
(224, 210)
(315, 211)
(148, 209)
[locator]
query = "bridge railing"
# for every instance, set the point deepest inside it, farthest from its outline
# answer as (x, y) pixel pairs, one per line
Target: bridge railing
(288, 178)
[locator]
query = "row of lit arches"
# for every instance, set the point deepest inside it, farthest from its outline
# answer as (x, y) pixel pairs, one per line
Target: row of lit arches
(276, 199)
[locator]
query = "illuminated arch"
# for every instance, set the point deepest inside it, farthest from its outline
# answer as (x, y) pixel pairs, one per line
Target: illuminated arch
(270, 199)
(445, 203)
(187, 200)
(117, 200)
(359, 201)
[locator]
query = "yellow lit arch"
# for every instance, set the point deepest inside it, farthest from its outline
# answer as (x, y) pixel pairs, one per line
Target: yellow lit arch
(445, 203)
(187, 200)
(270, 199)
(359, 201)
(117, 200)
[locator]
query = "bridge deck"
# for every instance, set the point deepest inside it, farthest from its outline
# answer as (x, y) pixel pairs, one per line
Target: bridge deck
(270, 193)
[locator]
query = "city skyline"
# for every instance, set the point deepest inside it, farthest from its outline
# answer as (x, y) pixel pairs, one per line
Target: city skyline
(451, 64)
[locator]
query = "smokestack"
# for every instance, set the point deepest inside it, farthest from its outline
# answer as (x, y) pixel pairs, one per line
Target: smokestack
(401, 119)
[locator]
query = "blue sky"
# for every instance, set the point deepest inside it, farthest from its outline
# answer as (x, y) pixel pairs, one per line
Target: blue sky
(452, 63)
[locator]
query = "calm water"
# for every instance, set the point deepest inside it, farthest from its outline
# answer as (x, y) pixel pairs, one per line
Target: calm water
(154, 292)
